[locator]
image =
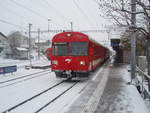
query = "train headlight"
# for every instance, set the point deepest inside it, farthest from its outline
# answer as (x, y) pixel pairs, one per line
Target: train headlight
(82, 62)
(68, 35)
(55, 62)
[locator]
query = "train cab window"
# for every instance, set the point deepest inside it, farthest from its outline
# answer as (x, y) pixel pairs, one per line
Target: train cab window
(60, 49)
(70, 49)
(78, 48)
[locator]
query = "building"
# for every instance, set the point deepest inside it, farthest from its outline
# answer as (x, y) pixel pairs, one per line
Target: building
(20, 45)
(5, 50)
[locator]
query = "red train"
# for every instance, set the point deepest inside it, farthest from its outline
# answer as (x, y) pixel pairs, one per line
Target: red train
(74, 54)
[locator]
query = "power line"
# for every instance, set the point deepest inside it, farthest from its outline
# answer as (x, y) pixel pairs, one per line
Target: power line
(93, 20)
(12, 24)
(97, 3)
(84, 31)
(28, 9)
(14, 13)
(82, 12)
(46, 4)
(56, 10)
(11, 11)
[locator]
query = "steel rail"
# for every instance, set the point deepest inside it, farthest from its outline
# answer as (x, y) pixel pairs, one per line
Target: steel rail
(31, 98)
(43, 74)
(22, 77)
(56, 98)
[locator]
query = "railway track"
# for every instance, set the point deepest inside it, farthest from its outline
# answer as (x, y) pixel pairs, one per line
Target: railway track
(23, 78)
(39, 94)
(40, 109)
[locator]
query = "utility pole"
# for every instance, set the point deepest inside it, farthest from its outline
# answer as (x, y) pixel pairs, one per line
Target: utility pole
(148, 51)
(38, 43)
(30, 44)
(133, 39)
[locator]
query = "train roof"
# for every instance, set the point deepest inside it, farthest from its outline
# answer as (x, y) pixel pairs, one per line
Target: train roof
(70, 36)
(73, 36)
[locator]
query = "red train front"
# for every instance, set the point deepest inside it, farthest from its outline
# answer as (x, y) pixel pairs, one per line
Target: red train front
(73, 54)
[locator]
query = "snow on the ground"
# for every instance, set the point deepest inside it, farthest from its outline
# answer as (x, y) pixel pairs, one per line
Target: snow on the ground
(137, 102)
(22, 63)
(66, 100)
(145, 84)
(118, 96)
(21, 71)
(18, 90)
(16, 93)
(147, 102)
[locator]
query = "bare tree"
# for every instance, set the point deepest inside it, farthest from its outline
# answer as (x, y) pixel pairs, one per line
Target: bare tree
(119, 11)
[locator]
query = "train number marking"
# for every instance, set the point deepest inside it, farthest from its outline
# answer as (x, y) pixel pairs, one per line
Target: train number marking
(68, 60)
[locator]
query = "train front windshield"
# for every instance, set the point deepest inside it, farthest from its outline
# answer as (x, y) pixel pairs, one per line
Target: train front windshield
(70, 49)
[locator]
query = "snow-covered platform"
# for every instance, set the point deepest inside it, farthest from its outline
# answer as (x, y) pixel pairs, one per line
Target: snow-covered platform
(109, 92)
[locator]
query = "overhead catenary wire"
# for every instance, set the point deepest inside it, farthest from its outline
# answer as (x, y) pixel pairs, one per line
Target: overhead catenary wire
(15, 13)
(95, 21)
(82, 12)
(44, 17)
(58, 12)
(38, 14)
(28, 9)
(12, 24)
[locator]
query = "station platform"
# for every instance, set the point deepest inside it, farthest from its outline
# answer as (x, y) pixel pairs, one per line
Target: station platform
(109, 92)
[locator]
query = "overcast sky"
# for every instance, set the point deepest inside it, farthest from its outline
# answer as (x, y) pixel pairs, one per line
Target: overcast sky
(84, 14)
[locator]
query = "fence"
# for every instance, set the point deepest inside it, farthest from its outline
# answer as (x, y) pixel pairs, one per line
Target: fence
(143, 83)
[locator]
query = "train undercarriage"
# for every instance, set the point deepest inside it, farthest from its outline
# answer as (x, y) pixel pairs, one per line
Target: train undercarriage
(71, 74)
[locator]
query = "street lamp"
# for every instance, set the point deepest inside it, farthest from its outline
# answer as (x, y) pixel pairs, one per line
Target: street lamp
(71, 26)
(48, 24)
